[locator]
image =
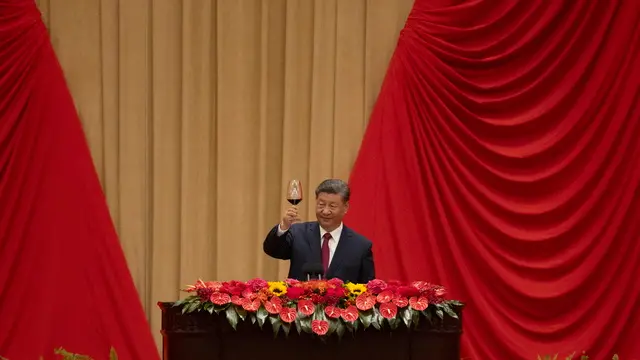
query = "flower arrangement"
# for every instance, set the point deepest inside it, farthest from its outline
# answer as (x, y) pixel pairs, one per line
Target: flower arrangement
(321, 307)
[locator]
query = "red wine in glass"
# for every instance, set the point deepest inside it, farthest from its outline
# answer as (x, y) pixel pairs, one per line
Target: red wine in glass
(294, 192)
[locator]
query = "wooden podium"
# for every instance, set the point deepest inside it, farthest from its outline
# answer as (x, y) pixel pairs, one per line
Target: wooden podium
(200, 336)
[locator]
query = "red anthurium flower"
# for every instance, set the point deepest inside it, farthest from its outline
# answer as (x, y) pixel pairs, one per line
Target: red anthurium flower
(408, 291)
(350, 314)
(288, 314)
(215, 285)
(320, 327)
(237, 300)
(376, 286)
(385, 297)
(306, 307)
(249, 294)
(251, 305)
(273, 307)
(419, 303)
(388, 310)
(220, 298)
(333, 312)
(365, 302)
(401, 302)
(420, 285)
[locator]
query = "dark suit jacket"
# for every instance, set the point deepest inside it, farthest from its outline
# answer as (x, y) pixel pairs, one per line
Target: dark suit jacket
(352, 260)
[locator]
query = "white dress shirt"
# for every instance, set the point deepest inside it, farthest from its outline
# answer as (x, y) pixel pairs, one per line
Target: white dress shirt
(333, 242)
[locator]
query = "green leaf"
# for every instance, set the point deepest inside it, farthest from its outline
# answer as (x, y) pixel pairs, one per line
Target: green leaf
(306, 325)
(349, 325)
(333, 324)
(68, 356)
(298, 325)
(377, 319)
(252, 316)
(319, 314)
(276, 323)
(366, 317)
(262, 315)
(440, 313)
(113, 355)
(218, 309)
(427, 314)
(190, 307)
(209, 307)
(455, 303)
(340, 329)
(195, 306)
(242, 313)
(375, 323)
(394, 322)
(407, 317)
(232, 317)
(449, 311)
(286, 328)
(175, 304)
(415, 317)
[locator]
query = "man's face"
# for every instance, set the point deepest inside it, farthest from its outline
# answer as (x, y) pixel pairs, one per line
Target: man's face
(330, 209)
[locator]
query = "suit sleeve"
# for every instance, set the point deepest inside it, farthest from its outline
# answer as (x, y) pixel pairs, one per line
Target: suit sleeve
(367, 268)
(278, 247)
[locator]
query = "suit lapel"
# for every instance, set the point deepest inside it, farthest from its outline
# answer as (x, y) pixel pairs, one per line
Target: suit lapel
(341, 252)
(313, 239)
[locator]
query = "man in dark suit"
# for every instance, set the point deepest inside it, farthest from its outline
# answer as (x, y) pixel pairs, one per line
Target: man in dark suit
(343, 253)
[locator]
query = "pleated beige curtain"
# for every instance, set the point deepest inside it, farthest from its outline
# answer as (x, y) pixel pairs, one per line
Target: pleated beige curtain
(198, 112)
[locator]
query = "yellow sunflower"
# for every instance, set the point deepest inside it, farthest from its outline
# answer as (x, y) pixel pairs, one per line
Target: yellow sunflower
(356, 289)
(277, 288)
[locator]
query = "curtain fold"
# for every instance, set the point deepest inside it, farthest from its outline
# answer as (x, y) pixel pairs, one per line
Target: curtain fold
(502, 160)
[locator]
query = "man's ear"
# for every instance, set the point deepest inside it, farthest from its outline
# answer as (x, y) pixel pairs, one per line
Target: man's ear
(346, 207)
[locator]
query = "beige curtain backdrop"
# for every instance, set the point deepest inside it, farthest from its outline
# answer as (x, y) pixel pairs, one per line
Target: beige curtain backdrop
(198, 112)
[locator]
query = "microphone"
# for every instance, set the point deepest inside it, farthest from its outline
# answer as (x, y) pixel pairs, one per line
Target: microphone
(313, 270)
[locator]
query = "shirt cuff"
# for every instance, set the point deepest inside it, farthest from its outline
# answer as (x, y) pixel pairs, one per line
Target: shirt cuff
(280, 231)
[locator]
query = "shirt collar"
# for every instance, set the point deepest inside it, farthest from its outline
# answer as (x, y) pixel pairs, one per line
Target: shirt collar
(335, 234)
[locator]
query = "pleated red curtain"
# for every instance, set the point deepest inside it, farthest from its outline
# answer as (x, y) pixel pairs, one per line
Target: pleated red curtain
(64, 279)
(502, 160)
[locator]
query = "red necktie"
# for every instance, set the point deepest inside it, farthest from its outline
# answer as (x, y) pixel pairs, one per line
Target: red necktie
(325, 252)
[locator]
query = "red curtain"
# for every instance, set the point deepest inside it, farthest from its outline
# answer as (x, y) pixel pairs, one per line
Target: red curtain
(64, 279)
(502, 160)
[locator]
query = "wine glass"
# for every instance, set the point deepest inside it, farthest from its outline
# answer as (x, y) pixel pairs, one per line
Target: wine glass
(294, 192)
